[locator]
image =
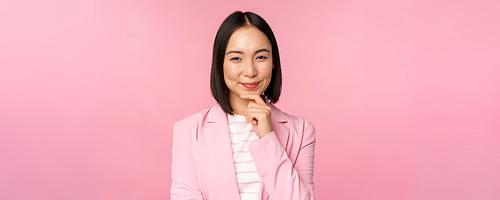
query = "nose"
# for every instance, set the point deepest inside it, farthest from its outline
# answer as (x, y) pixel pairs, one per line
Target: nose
(249, 69)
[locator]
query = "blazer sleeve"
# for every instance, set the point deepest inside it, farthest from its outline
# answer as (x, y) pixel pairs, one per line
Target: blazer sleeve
(282, 178)
(184, 179)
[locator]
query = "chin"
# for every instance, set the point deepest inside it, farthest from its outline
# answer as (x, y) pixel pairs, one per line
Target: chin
(253, 92)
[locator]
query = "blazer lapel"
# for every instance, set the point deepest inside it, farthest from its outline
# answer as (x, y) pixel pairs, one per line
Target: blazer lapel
(281, 131)
(280, 125)
(217, 136)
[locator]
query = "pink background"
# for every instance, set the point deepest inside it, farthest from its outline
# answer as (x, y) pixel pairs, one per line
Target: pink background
(404, 94)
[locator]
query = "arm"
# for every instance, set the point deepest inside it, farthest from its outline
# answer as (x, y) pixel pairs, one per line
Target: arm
(282, 178)
(184, 179)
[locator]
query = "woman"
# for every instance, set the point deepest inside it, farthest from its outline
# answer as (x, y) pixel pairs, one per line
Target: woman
(243, 147)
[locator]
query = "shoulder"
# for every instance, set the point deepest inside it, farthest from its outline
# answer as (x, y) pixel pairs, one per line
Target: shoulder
(197, 117)
(188, 127)
(301, 124)
(297, 119)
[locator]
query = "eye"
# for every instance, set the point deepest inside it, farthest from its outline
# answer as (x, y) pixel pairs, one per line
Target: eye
(261, 57)
(235, 58)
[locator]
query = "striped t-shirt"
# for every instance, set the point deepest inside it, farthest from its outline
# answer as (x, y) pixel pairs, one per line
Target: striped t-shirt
(242, 135)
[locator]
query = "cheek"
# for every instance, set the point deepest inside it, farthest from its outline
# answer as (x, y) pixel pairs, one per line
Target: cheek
(230, 74)
(267, 70)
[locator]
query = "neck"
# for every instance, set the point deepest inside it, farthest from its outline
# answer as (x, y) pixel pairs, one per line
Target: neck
(238, 104)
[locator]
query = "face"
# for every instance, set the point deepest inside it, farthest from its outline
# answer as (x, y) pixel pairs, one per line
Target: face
(248, 63)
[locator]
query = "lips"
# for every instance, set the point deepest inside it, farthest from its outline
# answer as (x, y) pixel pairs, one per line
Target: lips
(250, 85)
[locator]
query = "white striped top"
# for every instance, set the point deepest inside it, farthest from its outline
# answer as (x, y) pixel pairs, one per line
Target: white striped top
(242, 135)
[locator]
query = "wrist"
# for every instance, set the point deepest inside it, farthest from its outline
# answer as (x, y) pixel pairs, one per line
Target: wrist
(264, 133)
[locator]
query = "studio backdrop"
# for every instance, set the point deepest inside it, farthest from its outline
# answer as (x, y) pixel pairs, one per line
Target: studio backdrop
(404, 95)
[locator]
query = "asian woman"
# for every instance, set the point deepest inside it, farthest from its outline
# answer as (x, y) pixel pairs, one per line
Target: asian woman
(243, 147)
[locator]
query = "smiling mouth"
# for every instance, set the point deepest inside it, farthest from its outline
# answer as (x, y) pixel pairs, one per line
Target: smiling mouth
(250, 85)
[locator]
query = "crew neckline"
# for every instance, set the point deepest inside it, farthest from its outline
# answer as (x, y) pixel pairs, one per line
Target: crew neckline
(238, 115)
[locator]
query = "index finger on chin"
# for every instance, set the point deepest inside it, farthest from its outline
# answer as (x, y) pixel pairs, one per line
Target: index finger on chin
(254, 97)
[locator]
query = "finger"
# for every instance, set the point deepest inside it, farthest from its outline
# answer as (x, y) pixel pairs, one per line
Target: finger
(257, 114)
(253, 115)
(263, 110)
(255, 105)
(254, 97)
(252, 119)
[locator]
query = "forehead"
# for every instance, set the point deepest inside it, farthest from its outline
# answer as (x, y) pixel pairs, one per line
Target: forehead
(248, 38)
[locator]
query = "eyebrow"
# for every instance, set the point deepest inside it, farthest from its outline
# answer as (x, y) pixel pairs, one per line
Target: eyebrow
(241, 52)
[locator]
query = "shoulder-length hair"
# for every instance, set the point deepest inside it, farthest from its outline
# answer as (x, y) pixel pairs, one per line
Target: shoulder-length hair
(236, 20)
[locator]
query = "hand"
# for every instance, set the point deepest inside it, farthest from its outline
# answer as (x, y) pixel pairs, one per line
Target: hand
(259, 114)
